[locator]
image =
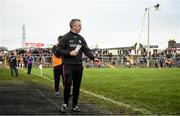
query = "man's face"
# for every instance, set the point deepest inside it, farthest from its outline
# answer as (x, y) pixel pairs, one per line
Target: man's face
(77, 26)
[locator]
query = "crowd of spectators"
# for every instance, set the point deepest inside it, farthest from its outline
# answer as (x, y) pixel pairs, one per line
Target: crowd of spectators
(157, 59)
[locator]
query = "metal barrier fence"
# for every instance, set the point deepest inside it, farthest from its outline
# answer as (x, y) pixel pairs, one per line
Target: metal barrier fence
(134, 61)
(115, 61)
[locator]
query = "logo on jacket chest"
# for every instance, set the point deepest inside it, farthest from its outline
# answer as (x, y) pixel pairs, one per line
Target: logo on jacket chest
(74, 43)
(77, 41)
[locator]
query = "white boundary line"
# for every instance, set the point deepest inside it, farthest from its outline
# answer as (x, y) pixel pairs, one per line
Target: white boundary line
(143, 111)
(51, 101)
(39, 75)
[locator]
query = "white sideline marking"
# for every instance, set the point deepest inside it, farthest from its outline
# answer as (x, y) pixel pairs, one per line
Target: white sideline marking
(51, 101)
(40, 76)
(43, 77)
(144, 111)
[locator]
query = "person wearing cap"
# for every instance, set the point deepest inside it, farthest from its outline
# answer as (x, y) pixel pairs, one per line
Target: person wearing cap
(57, 69)
(13, 64)
(71, 47)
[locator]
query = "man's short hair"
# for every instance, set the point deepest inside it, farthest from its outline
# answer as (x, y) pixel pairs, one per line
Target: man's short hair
(59, 38)
(73, 21)
(54, 48)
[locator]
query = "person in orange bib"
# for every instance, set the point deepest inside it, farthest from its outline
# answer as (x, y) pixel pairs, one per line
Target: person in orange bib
(57, 69)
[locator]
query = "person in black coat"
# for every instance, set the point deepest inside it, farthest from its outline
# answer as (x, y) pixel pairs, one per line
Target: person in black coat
(13, 65)
(71, 47)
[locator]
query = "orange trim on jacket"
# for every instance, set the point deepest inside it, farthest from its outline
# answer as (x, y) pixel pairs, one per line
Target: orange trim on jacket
(56, 61)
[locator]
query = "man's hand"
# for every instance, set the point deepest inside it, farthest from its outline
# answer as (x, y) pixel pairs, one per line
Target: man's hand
(97, 61)
(73, 53)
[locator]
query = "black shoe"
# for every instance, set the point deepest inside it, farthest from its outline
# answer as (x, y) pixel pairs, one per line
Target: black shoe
(57, 94)
(75, 109)
(64, 108)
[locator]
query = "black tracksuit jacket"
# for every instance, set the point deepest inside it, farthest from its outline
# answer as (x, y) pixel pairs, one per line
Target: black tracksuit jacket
(68, 43)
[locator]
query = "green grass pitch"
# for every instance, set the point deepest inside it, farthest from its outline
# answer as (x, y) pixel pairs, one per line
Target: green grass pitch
(154, 91)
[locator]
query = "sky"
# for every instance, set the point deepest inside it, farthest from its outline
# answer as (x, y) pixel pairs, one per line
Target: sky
(105, 23)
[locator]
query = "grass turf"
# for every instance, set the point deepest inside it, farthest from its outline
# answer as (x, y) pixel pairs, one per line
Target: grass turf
(156, 90)
(152, 89)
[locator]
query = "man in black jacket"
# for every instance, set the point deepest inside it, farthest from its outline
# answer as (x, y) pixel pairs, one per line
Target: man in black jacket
(71, 48)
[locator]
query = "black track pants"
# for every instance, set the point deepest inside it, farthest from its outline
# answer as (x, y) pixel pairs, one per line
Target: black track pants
(57, 73)
(72, 73)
